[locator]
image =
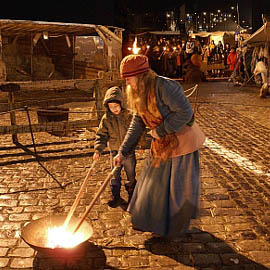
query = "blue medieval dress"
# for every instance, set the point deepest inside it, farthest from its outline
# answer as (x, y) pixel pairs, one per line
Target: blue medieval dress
(166, 196)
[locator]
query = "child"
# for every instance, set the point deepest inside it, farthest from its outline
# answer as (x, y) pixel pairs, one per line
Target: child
(112, 130)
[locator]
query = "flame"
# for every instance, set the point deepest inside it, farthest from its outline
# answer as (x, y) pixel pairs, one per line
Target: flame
(135, 49)
(60, 237)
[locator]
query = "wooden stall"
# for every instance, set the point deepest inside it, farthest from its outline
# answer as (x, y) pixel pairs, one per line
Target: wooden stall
(49, 65)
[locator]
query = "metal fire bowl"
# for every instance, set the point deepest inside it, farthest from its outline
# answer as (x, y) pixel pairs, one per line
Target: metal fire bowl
(35, 235)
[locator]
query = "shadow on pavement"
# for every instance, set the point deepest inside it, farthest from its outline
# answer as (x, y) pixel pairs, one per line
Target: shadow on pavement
(201, 250)
(92, 259)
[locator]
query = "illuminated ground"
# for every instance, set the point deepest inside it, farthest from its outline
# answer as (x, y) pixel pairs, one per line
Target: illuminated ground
(232, 232)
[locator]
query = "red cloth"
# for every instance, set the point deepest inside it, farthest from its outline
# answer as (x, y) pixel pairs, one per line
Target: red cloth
(231, 60)
(133, 65)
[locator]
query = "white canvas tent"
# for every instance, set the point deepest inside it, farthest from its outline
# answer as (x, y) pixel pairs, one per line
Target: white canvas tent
(224, 37)
(260, 37)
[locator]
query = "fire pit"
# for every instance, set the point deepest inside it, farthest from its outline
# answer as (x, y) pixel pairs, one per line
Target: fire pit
(48, 236)
(63, 236)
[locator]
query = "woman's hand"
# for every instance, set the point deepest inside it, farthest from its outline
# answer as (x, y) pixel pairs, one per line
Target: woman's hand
(154, 134)
(117, 160)
(96, 156)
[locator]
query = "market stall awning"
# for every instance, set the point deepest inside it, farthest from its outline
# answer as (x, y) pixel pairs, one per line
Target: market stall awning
(13, 27)
(261, 36)
(159, 33)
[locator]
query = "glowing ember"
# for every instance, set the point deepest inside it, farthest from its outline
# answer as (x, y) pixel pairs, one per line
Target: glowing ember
(60, 237)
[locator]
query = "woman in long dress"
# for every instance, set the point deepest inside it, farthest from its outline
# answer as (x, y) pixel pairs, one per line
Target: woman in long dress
(166, 196)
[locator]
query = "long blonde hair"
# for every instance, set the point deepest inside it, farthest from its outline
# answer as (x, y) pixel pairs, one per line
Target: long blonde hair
(137, 99)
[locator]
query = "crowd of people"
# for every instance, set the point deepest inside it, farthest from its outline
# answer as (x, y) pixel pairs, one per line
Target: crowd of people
(172, 56)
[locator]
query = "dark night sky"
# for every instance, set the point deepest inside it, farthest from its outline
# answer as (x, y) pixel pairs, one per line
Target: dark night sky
(82, 10)
(102, 11)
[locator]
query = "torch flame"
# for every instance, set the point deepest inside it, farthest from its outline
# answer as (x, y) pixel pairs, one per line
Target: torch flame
(135, 49)
(61, 237)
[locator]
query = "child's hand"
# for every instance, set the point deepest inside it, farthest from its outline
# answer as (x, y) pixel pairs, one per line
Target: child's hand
(96, 156)
(117, 160)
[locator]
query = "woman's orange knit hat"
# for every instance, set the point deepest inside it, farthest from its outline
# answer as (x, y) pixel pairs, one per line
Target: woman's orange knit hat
(133, 65)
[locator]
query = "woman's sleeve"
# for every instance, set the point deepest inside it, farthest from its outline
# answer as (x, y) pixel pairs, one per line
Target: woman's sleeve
(180, 111)
(133, 135)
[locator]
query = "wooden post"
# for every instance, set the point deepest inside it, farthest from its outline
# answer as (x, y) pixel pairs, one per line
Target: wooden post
(99, 100)
(73, 56)
(31, 55)
(12, 115)
(10, 88)
(1, 46)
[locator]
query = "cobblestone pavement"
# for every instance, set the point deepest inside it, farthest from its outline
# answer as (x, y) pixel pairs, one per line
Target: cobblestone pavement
(232, 232)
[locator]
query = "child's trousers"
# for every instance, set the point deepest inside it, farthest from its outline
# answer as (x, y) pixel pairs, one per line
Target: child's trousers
(129, 165)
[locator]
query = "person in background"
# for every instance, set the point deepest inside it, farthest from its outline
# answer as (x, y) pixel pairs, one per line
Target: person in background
(232, 59)
(179, 59)
(166, 196)
(227, 50)
(219, 51)
(112, 129)
(213, 51)
(189, 48)
(193, 73)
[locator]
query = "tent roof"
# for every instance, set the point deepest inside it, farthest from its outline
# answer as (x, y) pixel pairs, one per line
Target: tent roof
(217, 33)
(172, 33)
(15, 27)
(227, 26)
(261, 36)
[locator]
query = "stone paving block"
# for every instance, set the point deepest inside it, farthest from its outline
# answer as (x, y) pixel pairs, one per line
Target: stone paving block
(8, 202)
(260, 256)
(188, 248)
(20, 217)
(8, 242)
(4, 262)
(212, 220)
(115, 261)
(213, 228)
(135, 261)
(239, 227)
(183, 267)
(3, 252)
(218, 247)
(13, 210)
(235, 259)
(162, 261)
(33, 209)
(21, 263)
(21, 252)
(204, 260)
(253, 245)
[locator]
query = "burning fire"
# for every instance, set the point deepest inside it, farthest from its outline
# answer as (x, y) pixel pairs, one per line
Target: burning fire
(60, 237)
(135, 49)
